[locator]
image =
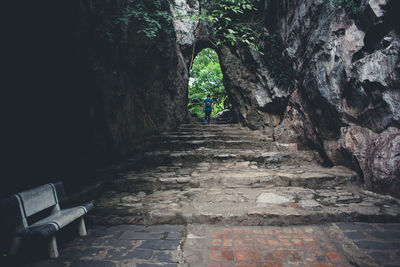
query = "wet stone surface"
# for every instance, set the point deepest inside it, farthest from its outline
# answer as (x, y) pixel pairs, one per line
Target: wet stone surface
(123, 245)
(213, 245)
(379, 241)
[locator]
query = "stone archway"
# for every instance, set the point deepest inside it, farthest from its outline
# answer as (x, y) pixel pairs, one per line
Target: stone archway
(206, 78)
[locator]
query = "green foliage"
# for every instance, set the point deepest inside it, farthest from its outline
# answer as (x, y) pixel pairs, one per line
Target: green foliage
(350, 6)
(153, 16)
(233, 21)
(150, 17)
(239, 21)
(206, 78)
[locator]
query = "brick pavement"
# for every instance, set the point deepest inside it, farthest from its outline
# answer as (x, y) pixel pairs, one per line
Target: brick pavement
(273, 246)
(337, 244)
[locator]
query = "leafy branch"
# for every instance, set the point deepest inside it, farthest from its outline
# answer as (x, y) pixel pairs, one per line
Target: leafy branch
(233, 21)
(149, 17)
(153, 16)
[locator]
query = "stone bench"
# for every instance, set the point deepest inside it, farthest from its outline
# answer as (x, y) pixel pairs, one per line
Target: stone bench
(46, 197)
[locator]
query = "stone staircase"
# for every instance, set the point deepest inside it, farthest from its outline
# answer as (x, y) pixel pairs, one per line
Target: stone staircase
(227, 174)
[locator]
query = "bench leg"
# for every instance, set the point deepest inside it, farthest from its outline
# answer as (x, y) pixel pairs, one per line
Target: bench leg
(82, 227)
(53, 250)
(15, 245)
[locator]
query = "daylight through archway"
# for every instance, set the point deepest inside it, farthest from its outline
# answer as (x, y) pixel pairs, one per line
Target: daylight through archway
(206, 78)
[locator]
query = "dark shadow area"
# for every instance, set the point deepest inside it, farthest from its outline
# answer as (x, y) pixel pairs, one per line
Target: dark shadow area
(52, 107)
(33, 251)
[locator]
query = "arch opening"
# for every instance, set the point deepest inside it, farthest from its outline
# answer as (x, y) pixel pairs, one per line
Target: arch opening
(206, 77)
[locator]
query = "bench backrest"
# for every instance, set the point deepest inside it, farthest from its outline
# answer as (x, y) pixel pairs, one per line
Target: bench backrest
(32, 201)
(37, 199)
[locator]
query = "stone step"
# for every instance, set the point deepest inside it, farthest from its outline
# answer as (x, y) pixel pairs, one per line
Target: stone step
(245, 206)
(179, 136)
(250, 176)
(210, 135)
(228, 131)
(195, 144)
(205, 125)
(314, 177)
(263, 158)
(223, 122)
(265, 183)
(232, 130)
(214, 128)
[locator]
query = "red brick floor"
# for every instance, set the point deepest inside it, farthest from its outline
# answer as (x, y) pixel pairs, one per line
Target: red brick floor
(272, 246)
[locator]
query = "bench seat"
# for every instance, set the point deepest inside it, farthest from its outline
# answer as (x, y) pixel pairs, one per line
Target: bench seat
(44, 203)
(55, 222)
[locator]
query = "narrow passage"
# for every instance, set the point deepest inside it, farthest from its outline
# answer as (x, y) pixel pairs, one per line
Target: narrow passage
(222, 195)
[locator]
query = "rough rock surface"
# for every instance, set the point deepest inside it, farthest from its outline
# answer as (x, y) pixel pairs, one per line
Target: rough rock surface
(125, 86)
(255, 97)
(213, 183)
(142, 92)
(377, 154)
(349, 83)
(347, 75)
(347, 68)
(78, 111)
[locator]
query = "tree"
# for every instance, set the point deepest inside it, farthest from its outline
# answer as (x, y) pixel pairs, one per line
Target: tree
(206, 78)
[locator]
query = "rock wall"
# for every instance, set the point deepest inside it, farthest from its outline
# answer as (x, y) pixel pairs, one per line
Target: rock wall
(143, 81)
(85, 96)
(100, 100)
(256, 100)
(347, 102)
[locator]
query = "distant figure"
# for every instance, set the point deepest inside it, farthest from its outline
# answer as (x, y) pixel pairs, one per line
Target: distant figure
(208, 107)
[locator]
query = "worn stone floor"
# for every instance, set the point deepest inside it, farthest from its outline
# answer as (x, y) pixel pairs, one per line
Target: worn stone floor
(254, 182)
(222, 195)
(334, 244)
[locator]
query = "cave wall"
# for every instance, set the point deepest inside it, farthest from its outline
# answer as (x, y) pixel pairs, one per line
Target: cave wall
(142, 81)
(257, 101)
(77, 100)
(85, 101)
(349, 85)
(345, 104)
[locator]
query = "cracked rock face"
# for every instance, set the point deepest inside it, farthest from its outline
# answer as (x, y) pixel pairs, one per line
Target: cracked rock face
(377, 154)
(257, 100)
(347, 101)
(348, 83)
(184, 26)
(347, 104)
